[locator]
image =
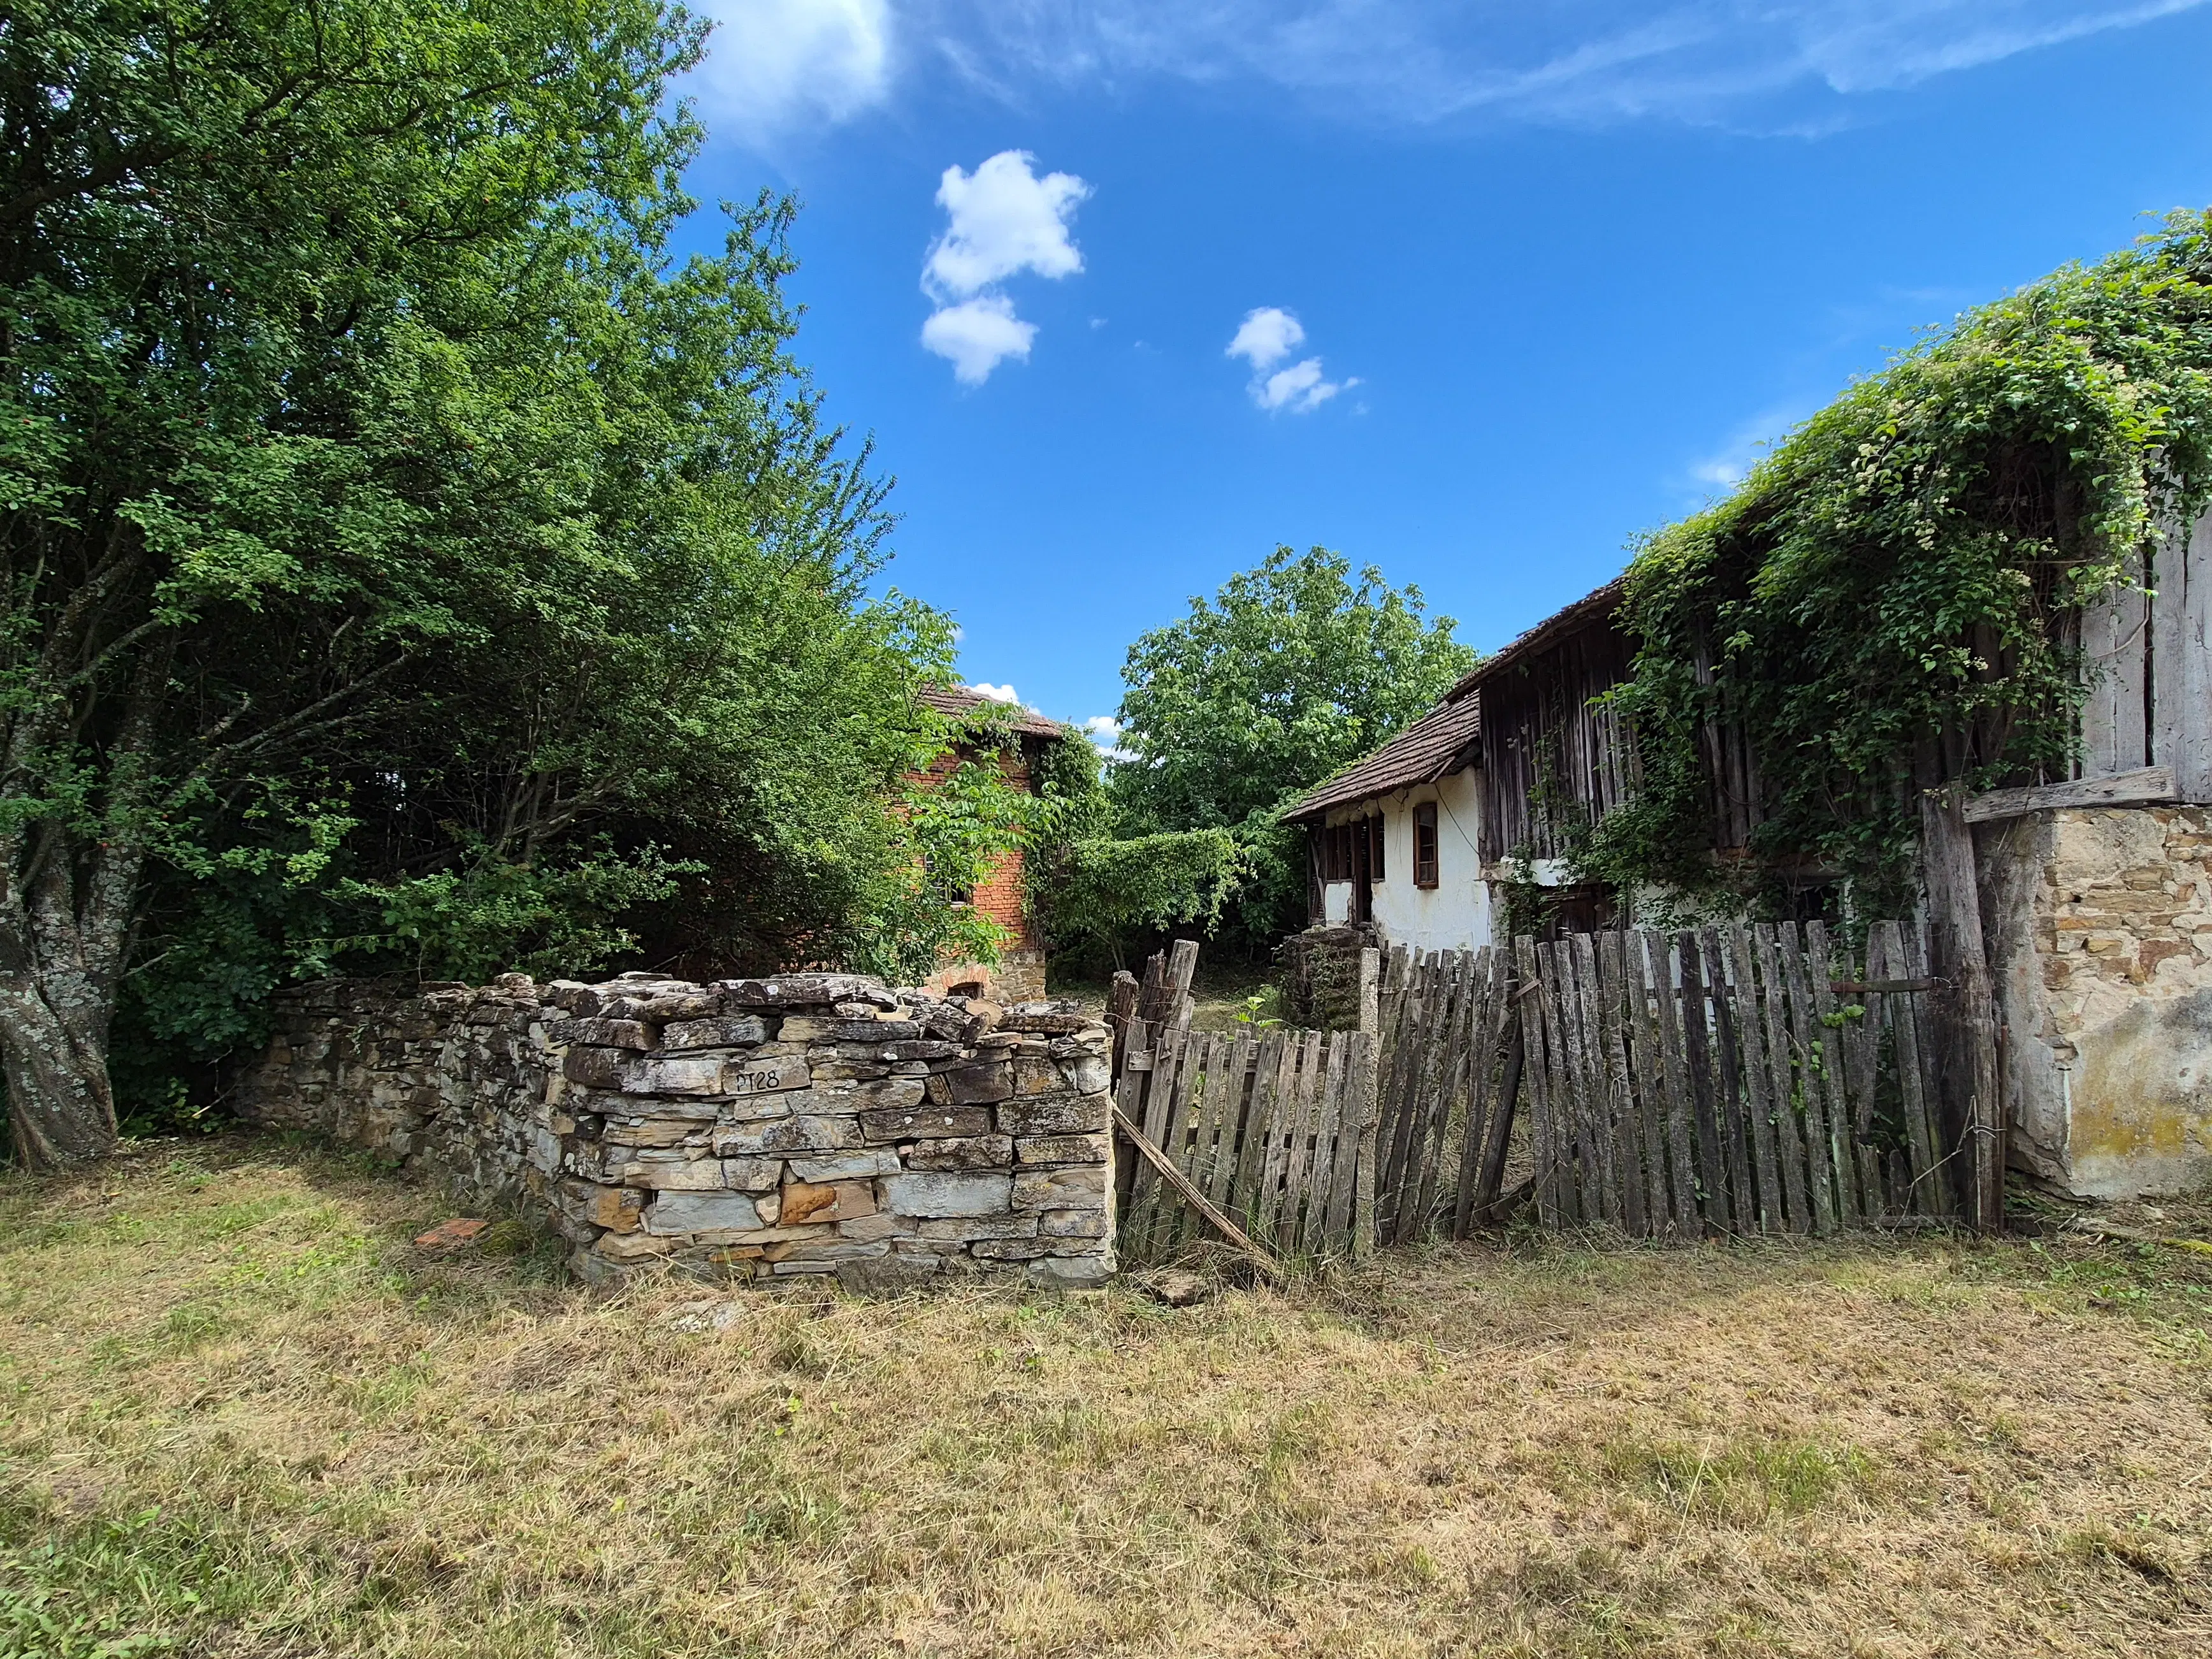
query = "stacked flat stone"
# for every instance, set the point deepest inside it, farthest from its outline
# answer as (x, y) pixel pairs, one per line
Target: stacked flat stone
(807, 1123)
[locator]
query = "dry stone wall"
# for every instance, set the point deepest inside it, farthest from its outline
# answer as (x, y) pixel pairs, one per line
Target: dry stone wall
(810, 1123)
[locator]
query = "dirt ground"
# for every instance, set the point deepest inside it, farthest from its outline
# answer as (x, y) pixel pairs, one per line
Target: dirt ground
(245, 1415)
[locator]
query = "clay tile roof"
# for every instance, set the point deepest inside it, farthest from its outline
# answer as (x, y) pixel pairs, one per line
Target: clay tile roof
(1591, 607)
(1422, 753)
(957, 700)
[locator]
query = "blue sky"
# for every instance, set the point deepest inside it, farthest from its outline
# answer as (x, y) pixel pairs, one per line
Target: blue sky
(1531, 279)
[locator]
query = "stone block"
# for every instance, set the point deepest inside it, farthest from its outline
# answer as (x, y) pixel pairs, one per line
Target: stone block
(922, 1049)
(1034, 1075)
(647, 1132)
(804, 1202)
(698, 1212)
(972, 1085)
(1063, 1149)
(861, 1165)
(856, 1201)
(1065, 1114)
(806, 1028)
(947, 1196)
(628, 1247)
(676, 1074)
(761, 1076)
(786, 1136)
(875, 1226)
(887, 1123)
(692, 1174)
(804, 991)
(1072, 1223)
(876, 1032)
(601, 1034)
(1010, 1249)
(595, 1068)
(1080, 1272)
(966, 1153)
(1090, 1075)
(960, 1229)
(724, 1031)
(1068, 1187)
(1052, 1020)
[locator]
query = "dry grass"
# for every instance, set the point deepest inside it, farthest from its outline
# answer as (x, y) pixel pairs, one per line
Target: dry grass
(243, 1415)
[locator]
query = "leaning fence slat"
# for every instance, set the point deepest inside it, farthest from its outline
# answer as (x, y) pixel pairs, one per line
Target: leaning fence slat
(1483, 1105)
(1648, 1079)
(1158, 1091)
(1931, 1191)
(1681, 1140)
(1728, 1084)
(1297, 1156)
(1446, 1090)
(1758, 1080)
(1404, 1088)
(1789, 1140)
(1811, 1043)
(1134, 1060)
(1585, 1046)
(1704, 1091)
(1354, 1128)
(1835, 1070)
(1529, 997)
(1328, 1115)
(1620, 1104)
(1192, 1084)
(1235, 1121)
(1259, 1124)
(1566, 1164)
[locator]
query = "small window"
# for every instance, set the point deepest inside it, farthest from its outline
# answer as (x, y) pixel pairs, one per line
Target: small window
(1424, 844)
(1374, 846)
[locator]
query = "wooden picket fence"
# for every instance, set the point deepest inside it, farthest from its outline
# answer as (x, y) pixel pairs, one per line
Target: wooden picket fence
(1277, 1131)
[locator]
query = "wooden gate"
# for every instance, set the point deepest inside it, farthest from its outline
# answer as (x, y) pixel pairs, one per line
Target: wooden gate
(1277, 1131)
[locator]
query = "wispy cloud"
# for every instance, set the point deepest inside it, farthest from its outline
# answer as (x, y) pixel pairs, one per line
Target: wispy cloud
(1775, 64)
(1267, 336)
(1731, 460)
(995, 693)
(1001, 221)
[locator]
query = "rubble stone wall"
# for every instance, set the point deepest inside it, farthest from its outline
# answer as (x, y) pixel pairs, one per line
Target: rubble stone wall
(2099, 922)
(810, 1123)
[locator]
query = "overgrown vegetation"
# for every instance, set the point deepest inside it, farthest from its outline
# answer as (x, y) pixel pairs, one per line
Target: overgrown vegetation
(303, 1435)
(1887, 590)
(409, 562)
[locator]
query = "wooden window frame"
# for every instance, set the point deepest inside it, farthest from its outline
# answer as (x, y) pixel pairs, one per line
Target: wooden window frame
(1375, 839)
(1425, 869)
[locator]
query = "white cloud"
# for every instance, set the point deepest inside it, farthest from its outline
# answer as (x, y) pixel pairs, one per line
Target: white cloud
(1105, 731)
(1268, 335)
(1770, 63)
(995, 693)
(978, 335)
(1001, 221)
(774, 67)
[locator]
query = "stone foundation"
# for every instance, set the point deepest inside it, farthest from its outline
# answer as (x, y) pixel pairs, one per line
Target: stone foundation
(812, 1123)
(2099, 924)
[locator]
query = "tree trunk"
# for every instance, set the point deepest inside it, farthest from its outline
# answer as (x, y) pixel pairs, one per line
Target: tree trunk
(61, 1107)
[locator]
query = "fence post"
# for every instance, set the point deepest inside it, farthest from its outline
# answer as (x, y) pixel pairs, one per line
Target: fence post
(1971, 1060)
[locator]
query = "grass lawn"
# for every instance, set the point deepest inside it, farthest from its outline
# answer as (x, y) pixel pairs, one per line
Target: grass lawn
(242, 1414)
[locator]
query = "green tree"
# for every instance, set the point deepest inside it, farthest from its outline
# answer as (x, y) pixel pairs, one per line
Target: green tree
(1292, 672)
(407, 560)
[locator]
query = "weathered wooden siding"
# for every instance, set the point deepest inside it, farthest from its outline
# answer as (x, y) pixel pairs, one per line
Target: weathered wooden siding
(2149, 662)
(1549, 749)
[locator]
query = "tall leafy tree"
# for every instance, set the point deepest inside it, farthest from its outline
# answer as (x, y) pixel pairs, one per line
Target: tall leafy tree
(406, 560)
(1293, 671)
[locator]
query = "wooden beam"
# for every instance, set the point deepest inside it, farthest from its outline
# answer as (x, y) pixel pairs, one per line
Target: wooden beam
(2145, 783)
(1978, 1114)
(1198, 1200)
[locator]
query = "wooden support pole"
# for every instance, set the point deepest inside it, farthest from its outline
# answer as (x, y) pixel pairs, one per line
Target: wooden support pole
(1947, 846)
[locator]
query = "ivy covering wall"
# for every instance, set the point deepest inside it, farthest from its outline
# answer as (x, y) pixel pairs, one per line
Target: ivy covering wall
(1885, 601)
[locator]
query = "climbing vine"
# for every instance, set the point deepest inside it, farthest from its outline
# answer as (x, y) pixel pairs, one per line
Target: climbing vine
(1884, 591)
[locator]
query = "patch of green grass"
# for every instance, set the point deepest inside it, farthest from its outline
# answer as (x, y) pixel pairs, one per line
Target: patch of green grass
(1742, 1482)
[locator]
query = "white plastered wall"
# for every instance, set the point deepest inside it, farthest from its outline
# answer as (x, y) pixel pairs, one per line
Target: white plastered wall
(1453, 915)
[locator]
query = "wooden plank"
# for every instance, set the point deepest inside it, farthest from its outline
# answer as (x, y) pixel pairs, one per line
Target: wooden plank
(1647, 1077)
(1636, 1211)
(1802, 962)
(1452, 1089)
(1191, 1078)
(1355, 1122)
(1404, 1090)
(1528, 1012)
(1585, 1046)
(1297, 1160)
(1930, 1192)
(2115, 644)
(1954, 908)
(1492, 988)
(1175, 1179)
(2144, 783)
(1713, 1202)
(1559, 1101)
(1321, 1164)
(1160, 1123)
(1133, 1072)
(1831, 1136)
(2181, 660)
(1727, 1085)
(1237, 1055)
(1759, 1102)
(1666, 1030)
(1790, 1141)
(1259, 1124)
(1182, 965)
(1363, 1219)
(1120, 1010)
